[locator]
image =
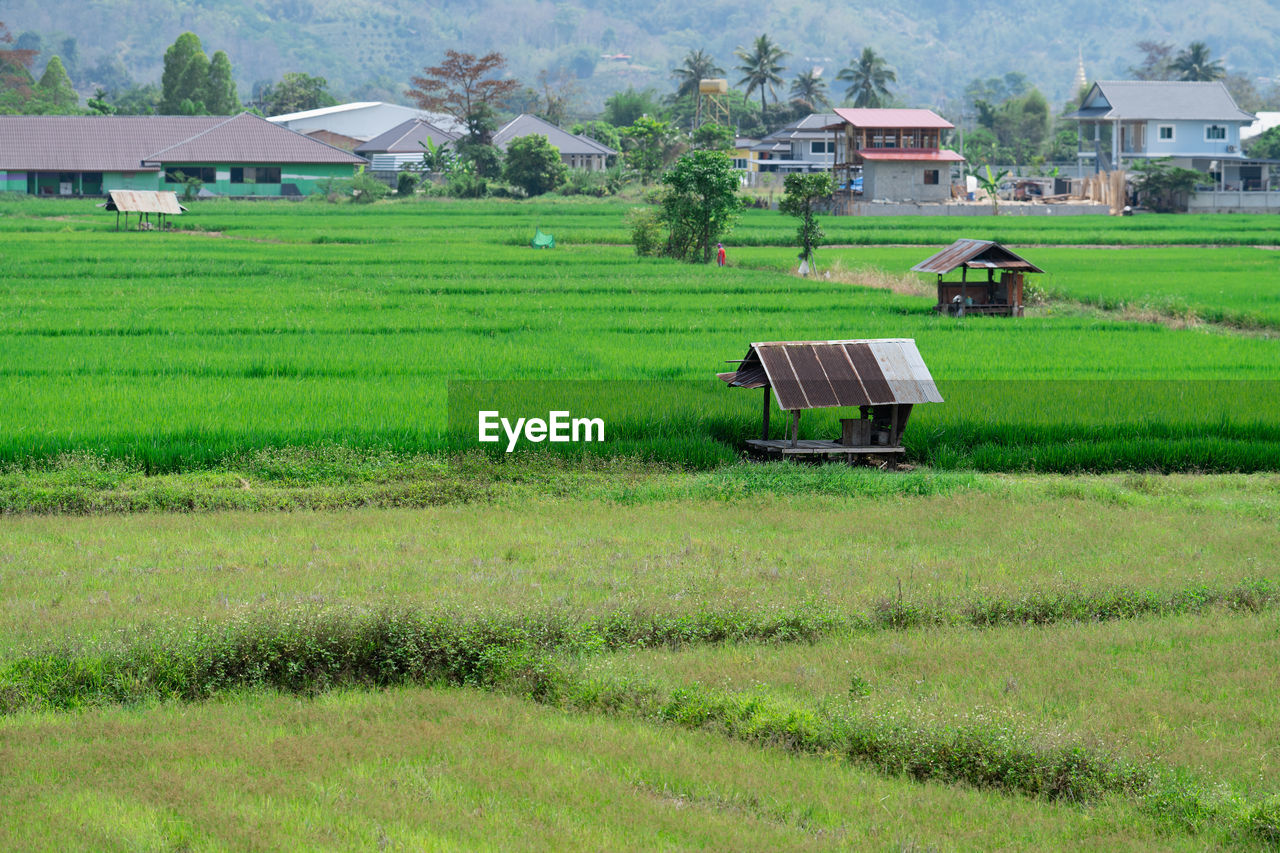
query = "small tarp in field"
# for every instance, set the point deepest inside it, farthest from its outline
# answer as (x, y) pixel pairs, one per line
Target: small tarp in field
(542, 241)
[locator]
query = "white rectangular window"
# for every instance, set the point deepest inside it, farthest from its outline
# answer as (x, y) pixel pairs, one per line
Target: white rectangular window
(1214, 131)
(822, 147)
(1165, 133)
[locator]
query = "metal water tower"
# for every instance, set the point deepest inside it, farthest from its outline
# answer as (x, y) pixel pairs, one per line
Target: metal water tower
(714, 93)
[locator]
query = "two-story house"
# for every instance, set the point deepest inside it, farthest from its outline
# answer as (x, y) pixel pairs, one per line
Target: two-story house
(891, 155)
(1197, 124)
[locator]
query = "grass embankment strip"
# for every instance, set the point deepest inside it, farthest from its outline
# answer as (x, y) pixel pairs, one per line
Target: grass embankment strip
(310, 653)
(1187, 690)
(460, 769)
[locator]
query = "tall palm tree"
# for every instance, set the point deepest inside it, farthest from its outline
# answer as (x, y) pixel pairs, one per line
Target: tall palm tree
(868, 77)
(810, 89)
(761, 68)
(1194, 64)
(697, 66)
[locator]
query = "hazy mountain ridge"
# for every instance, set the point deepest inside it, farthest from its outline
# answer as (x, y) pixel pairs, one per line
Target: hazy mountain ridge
(370, 48)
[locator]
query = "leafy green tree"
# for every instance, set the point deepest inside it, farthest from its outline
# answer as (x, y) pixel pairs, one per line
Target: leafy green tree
(55, 89)
(995, 90)
(220, 97)
(693, 69)
(533, 164)
(1195, 63)
(810, 89)
(1265, 146)
(141, 100)
(296, 91)
(98, 103)
(648, 143)
(713, 137)
(476, 150)
(1163, 186)
(621, 109)
(700, 204)
(180, 81)
(761, 68)
(600, 131)
(868, 77)
(802, 192)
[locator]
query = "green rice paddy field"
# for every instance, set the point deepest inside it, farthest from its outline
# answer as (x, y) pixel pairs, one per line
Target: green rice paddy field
(308, 323)
(259, 590)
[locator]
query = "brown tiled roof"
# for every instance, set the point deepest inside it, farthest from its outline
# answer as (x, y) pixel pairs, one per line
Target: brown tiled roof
(248, 138)
(92, 143)
(144, 143)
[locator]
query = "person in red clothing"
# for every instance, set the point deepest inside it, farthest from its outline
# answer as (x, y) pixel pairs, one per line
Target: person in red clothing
(719, 254)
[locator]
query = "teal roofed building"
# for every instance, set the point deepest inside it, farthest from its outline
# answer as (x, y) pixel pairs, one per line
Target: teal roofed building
(238, 156)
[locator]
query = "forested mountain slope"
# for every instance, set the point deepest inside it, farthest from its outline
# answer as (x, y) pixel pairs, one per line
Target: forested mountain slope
(369, 48)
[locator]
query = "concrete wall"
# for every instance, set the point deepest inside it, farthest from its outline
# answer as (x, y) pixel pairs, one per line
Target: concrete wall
(904, 181)
(1234, 202)
(863, 208)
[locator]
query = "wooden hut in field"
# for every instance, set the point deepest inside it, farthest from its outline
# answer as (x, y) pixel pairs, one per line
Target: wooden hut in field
(144, 203)
(882, 379)
(990, 295)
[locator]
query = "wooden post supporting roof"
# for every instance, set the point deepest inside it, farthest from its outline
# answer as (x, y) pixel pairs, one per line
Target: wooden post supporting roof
(764, 421)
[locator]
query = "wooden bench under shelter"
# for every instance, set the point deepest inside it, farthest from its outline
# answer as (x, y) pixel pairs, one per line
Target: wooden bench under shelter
(881, 378)
(1002, 296)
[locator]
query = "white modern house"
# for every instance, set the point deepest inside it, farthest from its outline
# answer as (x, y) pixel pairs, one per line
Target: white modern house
(802, 146)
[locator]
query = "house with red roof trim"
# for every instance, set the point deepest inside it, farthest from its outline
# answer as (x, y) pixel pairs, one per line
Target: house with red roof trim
(897, 153)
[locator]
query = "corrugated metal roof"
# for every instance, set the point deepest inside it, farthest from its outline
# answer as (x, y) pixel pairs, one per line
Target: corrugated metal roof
(406, 138)
(248, 138)
(975, 254)
(143, 201)
(940, 156)
(827, 374)
(565, 142)
(892, 118)
(1162, 100)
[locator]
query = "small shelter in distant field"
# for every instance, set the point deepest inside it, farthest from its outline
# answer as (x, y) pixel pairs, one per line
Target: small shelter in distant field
(990, 296)
(144, 203)
(882, 378)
